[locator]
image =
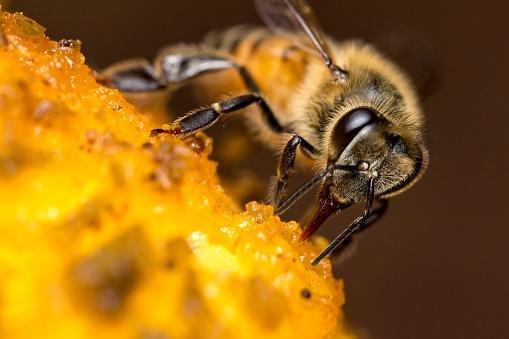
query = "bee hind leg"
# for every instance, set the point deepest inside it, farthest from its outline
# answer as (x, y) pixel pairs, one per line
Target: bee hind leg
(179, 67)
(175, 66)
(132, 76)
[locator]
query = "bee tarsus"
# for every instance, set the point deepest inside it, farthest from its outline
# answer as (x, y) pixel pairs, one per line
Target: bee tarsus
(287, 161)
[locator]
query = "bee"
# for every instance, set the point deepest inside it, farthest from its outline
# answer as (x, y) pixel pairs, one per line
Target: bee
(342, 105)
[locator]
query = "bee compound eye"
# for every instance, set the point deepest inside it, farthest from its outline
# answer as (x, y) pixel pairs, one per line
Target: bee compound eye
(356, 119)
(350, 124)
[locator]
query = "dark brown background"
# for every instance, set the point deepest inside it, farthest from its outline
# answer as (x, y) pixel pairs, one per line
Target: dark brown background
(435, 267)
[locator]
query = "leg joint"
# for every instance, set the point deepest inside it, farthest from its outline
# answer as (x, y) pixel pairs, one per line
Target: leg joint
(236, 103)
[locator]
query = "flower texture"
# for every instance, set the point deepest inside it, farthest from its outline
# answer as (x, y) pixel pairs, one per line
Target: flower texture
(107, 233)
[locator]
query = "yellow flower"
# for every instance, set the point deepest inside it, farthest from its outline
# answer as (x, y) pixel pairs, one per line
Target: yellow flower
(107, 234)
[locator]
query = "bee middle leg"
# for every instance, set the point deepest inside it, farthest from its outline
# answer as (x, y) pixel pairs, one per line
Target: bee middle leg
(205, 117)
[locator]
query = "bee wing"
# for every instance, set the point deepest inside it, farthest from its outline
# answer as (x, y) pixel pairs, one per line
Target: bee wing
(297, 19)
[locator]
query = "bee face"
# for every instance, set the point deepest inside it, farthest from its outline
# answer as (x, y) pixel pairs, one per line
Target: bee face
(378, 149)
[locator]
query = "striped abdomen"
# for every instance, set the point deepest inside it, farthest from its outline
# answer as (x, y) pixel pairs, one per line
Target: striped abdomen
(274, 62)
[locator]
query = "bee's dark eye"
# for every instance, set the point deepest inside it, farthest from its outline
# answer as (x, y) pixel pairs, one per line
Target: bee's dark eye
(350, 124)
(355, 120)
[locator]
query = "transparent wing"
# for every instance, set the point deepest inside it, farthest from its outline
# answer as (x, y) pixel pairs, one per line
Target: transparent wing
(296, 18)
(282, 16)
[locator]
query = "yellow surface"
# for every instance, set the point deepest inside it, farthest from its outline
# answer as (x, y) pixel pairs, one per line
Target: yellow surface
(104, 235)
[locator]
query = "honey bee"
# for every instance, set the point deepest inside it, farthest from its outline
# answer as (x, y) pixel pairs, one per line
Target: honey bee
(343, 105)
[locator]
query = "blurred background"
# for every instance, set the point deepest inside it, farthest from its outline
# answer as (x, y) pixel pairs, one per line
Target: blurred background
(435, 266)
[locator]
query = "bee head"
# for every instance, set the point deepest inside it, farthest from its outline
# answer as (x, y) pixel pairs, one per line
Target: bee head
(376, 148)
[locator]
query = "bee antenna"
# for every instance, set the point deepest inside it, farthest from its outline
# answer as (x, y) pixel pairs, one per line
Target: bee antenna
(308, 185)
(353, 227)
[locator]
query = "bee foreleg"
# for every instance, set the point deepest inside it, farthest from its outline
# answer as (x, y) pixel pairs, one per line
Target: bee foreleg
(287, 162)
(205, 117)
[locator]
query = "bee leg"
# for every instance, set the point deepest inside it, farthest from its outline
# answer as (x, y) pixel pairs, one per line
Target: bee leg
(205, 117)
(177, 68)
(173, 68)
(357, 225)
(132, 76)
(286, 163)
